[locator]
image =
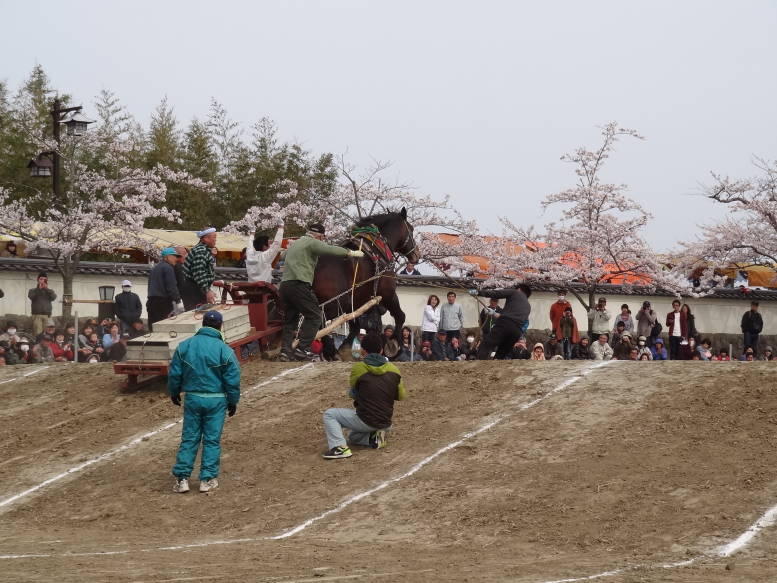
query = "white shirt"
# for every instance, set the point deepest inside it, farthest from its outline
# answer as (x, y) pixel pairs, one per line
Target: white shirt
(259, 263)
(431, 319)
(676, 330)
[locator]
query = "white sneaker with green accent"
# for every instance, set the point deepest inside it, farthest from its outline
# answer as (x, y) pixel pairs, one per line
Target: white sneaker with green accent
(181, 486)
(208, 485)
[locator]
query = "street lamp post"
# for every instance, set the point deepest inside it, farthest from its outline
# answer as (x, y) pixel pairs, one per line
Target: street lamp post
(57, 113)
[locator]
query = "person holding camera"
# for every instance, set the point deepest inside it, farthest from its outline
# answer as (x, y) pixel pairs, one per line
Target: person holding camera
(599, 318)
(41, 297)
(646, 321)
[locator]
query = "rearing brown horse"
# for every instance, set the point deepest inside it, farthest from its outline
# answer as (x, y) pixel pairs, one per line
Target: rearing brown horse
(335, 276)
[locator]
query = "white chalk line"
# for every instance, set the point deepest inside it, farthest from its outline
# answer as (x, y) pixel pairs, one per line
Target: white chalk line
(126, 446)
(383, 485)
(27, 374)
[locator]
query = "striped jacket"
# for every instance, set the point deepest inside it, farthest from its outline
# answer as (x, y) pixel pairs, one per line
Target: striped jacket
(198, 266)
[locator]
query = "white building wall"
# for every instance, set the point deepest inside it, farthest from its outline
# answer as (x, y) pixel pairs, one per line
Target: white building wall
(712, 315)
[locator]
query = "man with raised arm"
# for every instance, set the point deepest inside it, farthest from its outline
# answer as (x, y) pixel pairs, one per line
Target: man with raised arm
(296, 290)
(509, 326)
(260, 254)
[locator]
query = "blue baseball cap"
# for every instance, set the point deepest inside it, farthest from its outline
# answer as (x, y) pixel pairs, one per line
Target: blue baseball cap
(212, 317)
(170, 251)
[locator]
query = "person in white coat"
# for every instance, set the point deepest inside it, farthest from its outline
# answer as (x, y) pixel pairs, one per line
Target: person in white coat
(431, 318)
(260, 255)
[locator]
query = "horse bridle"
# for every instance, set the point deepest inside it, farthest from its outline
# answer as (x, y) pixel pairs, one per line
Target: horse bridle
(408, 240)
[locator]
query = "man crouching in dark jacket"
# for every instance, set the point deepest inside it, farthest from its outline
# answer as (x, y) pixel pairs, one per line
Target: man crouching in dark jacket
(375, 384)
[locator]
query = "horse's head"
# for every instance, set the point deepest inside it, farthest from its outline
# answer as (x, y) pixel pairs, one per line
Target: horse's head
(407, 245)
(397, 231)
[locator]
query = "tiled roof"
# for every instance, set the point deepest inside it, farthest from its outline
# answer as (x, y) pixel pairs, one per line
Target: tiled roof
(237, 274)
(103, 268)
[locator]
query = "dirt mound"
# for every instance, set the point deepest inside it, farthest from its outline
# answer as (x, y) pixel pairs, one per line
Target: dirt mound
(514, 471)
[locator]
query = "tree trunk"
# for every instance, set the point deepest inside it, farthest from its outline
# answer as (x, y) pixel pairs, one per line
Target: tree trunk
(67, 269)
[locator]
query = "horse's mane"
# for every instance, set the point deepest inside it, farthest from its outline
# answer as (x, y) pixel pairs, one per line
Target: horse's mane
(377, 220)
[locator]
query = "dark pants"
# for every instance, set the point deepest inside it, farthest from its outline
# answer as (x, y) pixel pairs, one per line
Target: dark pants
(750, 341)
(428, 336)
(502, 337)
(452, 334)
(566, 348)
(158, 309)
(191, 295)
(298, 299)
(674, 347)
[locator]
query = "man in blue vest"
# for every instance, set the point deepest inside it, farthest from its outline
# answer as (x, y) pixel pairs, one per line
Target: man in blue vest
(205, 368)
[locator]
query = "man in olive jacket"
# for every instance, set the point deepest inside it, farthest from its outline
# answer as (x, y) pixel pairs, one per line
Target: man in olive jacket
(374, 385)
(205, 368)
(296, 290)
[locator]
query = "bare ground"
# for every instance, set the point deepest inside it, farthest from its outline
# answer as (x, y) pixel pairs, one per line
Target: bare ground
(633, 466)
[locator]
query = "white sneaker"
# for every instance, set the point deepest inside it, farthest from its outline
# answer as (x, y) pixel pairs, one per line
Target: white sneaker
(209, 485)
(181, 486)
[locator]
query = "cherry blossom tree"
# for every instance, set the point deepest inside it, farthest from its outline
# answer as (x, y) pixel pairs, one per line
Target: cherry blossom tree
(748, 236)
(596, 241)
(102, 207)
(358, 194)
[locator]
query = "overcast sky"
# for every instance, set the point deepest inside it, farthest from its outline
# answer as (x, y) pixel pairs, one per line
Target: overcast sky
(474, 99)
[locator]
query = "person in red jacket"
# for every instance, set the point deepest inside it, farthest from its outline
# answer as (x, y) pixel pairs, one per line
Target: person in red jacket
(557, 308)
(63, 351)
(676, 329)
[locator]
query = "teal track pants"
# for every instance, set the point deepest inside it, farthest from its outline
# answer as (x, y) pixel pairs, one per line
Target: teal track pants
(203, 420)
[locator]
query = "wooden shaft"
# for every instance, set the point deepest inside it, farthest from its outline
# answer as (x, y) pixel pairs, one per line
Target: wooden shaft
(342, 319)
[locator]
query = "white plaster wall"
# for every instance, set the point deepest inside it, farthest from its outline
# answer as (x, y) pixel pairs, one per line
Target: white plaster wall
(713, 316)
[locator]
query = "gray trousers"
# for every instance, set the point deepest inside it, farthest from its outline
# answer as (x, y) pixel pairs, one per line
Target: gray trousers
(334, 422)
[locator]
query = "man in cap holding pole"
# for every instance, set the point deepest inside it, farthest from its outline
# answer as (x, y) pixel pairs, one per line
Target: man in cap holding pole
(205, 368)
(164, 297)
(198, 271)
(296, 290)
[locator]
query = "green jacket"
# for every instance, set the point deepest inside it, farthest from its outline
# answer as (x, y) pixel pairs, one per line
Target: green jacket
(204, 363)
(302, 256)
(375, 385)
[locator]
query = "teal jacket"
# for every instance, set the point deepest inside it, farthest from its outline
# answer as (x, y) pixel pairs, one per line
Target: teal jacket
(204, 363)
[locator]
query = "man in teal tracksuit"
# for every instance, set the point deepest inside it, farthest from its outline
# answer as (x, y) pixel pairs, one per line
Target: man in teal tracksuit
(205, 368)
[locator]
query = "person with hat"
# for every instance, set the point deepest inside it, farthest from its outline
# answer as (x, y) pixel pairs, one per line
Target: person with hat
(199, 272)
(126, 306)
(296, 290)
(206, 369)
(41, 297)
(599, 318)
(767, 354)
(48, 328)
(260, 254)
(643, 348)
(658, 350)
(164, 297)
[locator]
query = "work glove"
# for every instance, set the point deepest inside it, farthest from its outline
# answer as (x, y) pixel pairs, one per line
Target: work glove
(357, 254)
(489, 311)
(472, 292)
(231, 409)
(178, 308)
(176, 399)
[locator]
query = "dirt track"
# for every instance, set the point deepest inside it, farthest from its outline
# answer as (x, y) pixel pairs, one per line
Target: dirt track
(633, 464)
